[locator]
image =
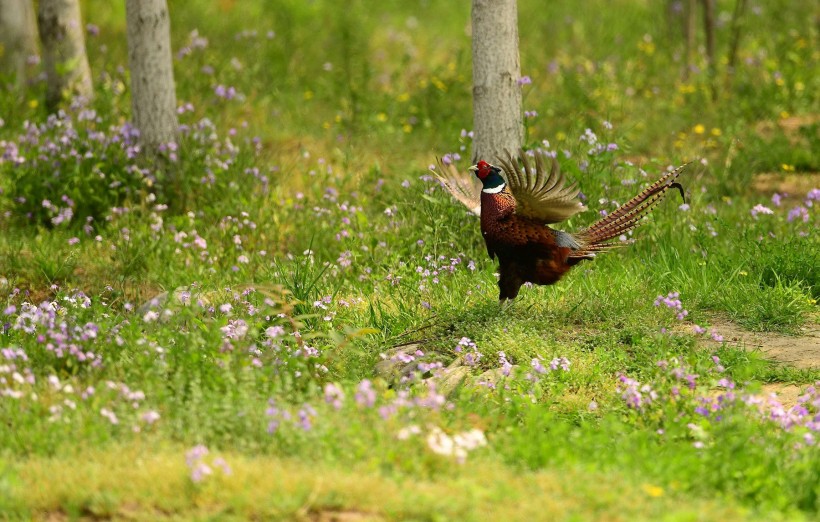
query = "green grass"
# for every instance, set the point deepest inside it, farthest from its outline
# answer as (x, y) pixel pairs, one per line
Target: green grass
(301, 204)
(270, 487)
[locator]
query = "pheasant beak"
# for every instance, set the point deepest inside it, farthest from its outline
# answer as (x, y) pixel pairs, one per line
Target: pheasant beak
(473, 169)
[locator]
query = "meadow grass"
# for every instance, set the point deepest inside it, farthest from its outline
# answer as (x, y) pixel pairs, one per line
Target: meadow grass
(197, 337)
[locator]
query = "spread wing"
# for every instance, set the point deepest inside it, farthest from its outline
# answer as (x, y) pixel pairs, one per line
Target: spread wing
(540, 189)
(464, 186)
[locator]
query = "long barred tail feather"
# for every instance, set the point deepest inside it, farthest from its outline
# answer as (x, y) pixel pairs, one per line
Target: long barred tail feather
(627, 216)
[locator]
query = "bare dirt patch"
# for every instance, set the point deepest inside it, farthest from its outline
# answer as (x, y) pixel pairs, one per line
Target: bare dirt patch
(787, 394)
(790, 127)
(800, 351)
(794, 185)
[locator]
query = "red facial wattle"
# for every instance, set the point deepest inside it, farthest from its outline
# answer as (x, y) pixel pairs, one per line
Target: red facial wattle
(484, 169)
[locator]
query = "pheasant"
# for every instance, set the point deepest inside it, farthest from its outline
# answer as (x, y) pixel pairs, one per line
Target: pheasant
(515, 213)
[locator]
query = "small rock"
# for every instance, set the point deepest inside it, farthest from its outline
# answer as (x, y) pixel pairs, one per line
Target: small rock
(491, 378)
(448, 379)
(155, 303)
(393, 366)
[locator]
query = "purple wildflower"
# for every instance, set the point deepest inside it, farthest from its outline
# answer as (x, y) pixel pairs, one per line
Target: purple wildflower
(365, 394)
(306, 414)
(506, 367)
(560, 362)
(334, 395)
(799, 212)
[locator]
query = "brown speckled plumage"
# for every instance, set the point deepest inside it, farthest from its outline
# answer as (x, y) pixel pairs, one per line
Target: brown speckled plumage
(514, 218)
(526, 249)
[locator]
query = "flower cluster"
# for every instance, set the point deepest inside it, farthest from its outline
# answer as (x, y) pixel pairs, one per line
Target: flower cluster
(469, 351)
(200, 467)
(635, 394)
(58, 329)
(700, 401)
(457, 445)
(672, 302)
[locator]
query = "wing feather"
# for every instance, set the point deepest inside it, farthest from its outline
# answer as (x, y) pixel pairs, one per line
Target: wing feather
(464, 186)
(541, 193)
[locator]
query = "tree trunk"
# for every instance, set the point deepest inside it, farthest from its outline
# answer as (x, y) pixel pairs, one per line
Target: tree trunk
(153, 98)
(737, 26)
(709, 29)
(18, 39)
(497, 118)
(691, 27)
(64, 57)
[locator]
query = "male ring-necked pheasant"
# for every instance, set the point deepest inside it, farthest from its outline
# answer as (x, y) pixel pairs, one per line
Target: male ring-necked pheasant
(515, 213)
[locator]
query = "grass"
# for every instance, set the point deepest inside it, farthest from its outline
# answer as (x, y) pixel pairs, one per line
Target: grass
(271, 487)
(245, 307)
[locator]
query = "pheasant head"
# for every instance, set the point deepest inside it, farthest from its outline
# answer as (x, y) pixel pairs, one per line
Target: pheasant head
(489, 175)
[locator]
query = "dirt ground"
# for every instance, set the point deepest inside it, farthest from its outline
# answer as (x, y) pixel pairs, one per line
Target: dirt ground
(793, 186)
(800, 351)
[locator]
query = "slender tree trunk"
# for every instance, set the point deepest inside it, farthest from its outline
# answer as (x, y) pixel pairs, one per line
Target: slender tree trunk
(18, 39)
(64, 57)
(691, 27)
(497, 118)
(709, 29)
(740, 7)
(153, 98)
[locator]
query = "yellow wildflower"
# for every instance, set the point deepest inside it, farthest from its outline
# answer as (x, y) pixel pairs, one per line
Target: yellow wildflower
(653, 491)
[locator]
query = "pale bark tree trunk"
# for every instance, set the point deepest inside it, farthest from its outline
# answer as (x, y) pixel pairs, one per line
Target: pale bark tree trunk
(18, 38)
(497, 118)
(153, 98)
(734, 44)
(691, 28)
(64, 57)
(709, 29)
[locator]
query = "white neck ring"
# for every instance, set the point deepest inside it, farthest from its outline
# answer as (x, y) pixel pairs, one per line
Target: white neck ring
(494, 190)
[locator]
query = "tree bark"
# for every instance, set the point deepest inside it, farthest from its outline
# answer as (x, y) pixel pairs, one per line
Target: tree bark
(691, 28)
(153, 96)
(737, 26)
(64, 56)
(497, 119)
(18, 39)
(709, 29)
